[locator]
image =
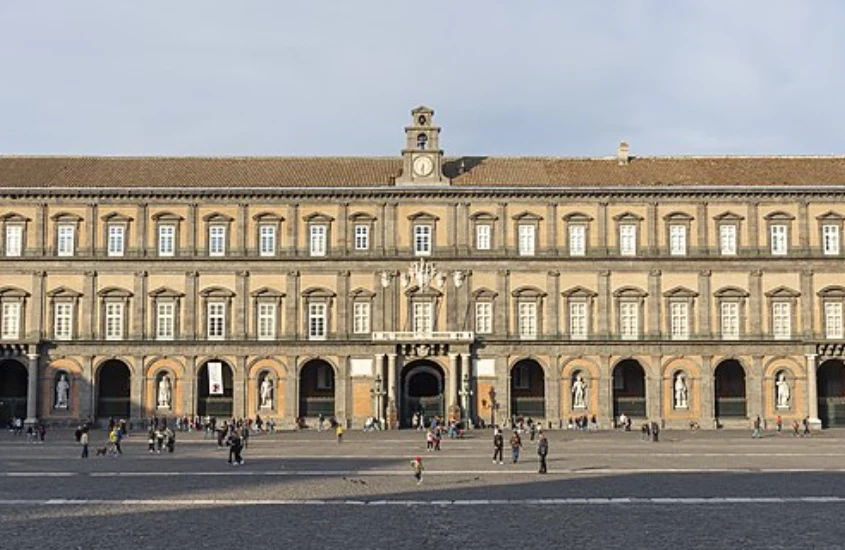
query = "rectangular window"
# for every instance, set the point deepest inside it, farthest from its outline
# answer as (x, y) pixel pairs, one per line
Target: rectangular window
(833, 320)
(114, 321)
(317, 321)
(362, 237)
(166, 240)
(778, 236)
(217, 240)
(781, 321)
(423, 321)
(66, 243)
(165, 320)
(482, 237)
(527, 320)
(317, 239)
(678, 240)
(628, 239)
(578, 320)
(727, 240)
(629, 320)
(526, 240)
(63, 321)
(116, 240)
(730, 321)
(361, 318)
(484, 318)
(422, 240)
(14, 240)
(577, 240)
(267, 240)
(266, 321)
(679, 320)
(830, 240)
(11, 321)
(216, 321)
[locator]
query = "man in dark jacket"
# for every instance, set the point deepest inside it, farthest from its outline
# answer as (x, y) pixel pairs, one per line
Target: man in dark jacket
(498, 445)
(543, 450)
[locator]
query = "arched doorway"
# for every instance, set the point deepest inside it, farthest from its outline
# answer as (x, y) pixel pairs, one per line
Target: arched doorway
(422, 391)
(528, 389)
(831, 387)
(209, 404)
(316, 389)
(629, 389)
(113, 386)
(730, 389)
(13, 387)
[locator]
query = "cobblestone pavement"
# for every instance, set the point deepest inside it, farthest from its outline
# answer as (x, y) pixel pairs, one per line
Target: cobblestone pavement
(304, 490)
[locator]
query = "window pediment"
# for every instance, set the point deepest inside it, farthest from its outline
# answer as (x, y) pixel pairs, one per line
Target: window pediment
(167, 217)
(731, 292)
(579, 292)
(779, 216)
(577, 217)
(423, 217)
(114, 292)
(362, 217)
(830, 215)
(628, 217)
(362, 294)
(428, 293)
(484, 294)
(483, 217)
(527, 216)
(528, 292)
(728, 216)
(116, 217)
(678, 217)
(680, 292)
(66, 217)
(217, 217)
(268, 217)
(783, 292)
(13, 292)
(64, 292)
(317, 217)
(629, 292)
(832, 291)
(13, 217)
(318, 292)
(267, 292)
(165, 292)
(217, 292)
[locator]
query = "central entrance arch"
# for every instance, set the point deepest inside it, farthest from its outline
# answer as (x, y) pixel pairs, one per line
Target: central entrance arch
(831, 393)
(13, 386)
(422, 391)
(528, 389)
(113, 387)
(316, 389)
(629, 389)
(215, 405)
(729, 389)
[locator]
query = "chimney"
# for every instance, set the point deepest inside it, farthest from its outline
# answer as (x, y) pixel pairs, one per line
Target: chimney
(622, 155)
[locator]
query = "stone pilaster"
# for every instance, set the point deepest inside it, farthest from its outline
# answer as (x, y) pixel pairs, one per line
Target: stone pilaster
(500, 233)
(136, 390)
(41, 229)
(139, 309)
(655, 298)
(502, 308)
(292, 391)
(32, 389)
(191, 229)
(552, 314)
(605, 389)
(239, 386)
(602, 223)
(452, 386)
(654, 389)
(754, 229)
(392, 398)
(344, 319)
(190, 317)
(804, 227)
(90, 246)
(292, 304)
(293, 230)
(754, 388)
(755, 303)
(706, 393)
(343, 229)
(390, 229)
(603, 303)
(702, 243)
(807, 291)
(463, 229)
(704, 304)
(241, 304)
(141, 230)
(189, 385)
(653, 227)
(89, 307)
(452, 230)
(243, 229)
(379, 238)
(812, 390)
(551, 229)
(35, 330)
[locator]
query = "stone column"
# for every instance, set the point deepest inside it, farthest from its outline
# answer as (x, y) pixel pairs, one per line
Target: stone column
(191, 228)
(812, 391)
(86, 390)
(292, 304)
(605, 389)
(753, 230)
(141, 230)
(807, 321)
(137, 410)
(190, 316)
(32, 389)
(803, 227)
(654, 388)
(89, 306)
(553, 393)
(551, 229)
(502, 309)
(293, 230)
(655, 298)
(703, 229)
(452, 387)
(754, 388)
(343, 306)
(392, 397)
(239, 387)
(552, 313)
(189, 386)
(603, 302)
(37, 329)
(755, 303)
(291, 391)
(342, 392)
(704, 304)
(241, 304)
(139, 306)
(243, 225)
(705, 393)
(379, 400)
(653, 229)
(602, 223)
(90, 247)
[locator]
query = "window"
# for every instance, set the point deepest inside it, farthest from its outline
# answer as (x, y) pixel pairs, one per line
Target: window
(727, 240)
(362, 237)
(266, 240)
(216, 320)
(423, 321)
(729, 320)
(317, 239)
(527, 320)
(66, 238)
(833, 320)
(482, 236)
(266, 321)
(781, 320)
(422, 240)
(361, 318)
(679, 320)
(165, 320)
(483, 317)
(677, 240)
(217, 240)
(830, 240)
(116, 239)
(63, 321)
(11, 321)
(317, 321)
(14, 240)
(778, 234)
(629, 320)
(628, 239)
(577, 240)
(526, 239)
(166, 240)
(578, 320)
(114, 321)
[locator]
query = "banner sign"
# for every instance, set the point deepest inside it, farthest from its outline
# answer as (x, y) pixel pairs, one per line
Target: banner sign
(215, 378)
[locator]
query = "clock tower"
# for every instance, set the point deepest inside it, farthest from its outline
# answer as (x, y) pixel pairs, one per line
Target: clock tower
(422, 158)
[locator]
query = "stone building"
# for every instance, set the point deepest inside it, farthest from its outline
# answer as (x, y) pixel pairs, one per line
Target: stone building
(682, 289)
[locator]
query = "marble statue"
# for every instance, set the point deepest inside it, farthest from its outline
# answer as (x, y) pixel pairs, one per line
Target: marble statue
(579, 393)
(164, 392)
(266, 392)
(62, 392)
(783, 392)
(681, 391)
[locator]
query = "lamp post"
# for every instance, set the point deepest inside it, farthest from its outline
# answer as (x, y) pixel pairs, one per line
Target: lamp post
(466, 393)
(378, 392)
(493, 405)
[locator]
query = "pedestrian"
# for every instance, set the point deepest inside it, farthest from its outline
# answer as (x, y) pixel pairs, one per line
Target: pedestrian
(417, 467)
(83, 440)
(646, 431)
(235, 448)
(806, 422)
(339, 432)
(532, 429)
(516, 445)
(655, 432)
(438, 435)
(151, 440)
(543, 451)
(320, 419)
(429, 441)
(498, 445)
(795, 428)
(779, 423)
(756, 433)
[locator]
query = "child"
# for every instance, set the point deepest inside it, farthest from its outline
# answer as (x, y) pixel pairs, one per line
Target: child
(417, 467)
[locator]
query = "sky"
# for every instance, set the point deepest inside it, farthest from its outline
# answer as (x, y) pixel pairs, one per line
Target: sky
(339, 77)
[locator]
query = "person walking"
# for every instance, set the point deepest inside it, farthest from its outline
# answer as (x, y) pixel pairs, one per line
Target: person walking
(498, 445)
(83, 440)
(339, 432)
(543, 451)
(779, 423)
(757, 432)
(516, 445)
(417, 467)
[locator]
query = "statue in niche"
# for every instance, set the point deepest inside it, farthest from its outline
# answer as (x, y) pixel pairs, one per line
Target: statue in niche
(165, 392)
(579, 393)
(783, 391)
(266, 392)
(62, 392)
(681, 391)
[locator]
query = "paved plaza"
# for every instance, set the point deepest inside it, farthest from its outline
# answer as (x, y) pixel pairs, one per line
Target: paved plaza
(304, 490)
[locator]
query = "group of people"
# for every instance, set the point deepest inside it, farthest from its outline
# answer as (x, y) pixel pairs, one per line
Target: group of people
(516, 447)
(35, 433)
(160, 438)
(801, 428)
(583, 423)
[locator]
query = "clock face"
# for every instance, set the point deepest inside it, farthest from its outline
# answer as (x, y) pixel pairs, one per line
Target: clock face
(423, 166)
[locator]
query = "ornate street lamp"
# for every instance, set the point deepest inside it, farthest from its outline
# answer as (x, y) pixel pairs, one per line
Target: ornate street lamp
(465, 393)
(378, 392)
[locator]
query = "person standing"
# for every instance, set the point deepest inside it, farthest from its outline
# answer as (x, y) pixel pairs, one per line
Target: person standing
(543, 451)
(498, 445)
(756, 433)
(417, 467)
(516, 445)
(83, 440)
(779, 423)
(339, 432)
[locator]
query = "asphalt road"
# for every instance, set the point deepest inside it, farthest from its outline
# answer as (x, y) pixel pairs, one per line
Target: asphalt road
(303, 490)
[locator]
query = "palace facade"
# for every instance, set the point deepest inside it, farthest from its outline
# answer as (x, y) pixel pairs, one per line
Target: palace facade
(679, 289)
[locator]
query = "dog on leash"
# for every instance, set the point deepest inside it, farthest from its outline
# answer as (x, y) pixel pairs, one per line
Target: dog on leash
(101, 451)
